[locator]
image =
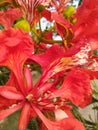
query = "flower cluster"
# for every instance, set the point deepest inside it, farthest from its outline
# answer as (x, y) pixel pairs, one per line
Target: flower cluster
(67, 66)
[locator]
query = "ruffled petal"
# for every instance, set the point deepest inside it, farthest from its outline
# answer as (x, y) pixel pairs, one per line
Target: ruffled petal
(76, 88)
(7, 18)
(17, 51)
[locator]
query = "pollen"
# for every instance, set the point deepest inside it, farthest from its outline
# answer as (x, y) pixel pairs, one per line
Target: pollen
(56, 106)
(62, 103)
(39, 99)
(45, 95)
(29, 97)
(54, 99)
(66, 60)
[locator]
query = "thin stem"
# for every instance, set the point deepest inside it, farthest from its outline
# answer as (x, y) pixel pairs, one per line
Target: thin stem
(51, 41)
(45, 40)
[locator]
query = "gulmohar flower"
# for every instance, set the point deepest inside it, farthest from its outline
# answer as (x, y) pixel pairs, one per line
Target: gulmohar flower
(44, 97)
(15, 46)
(67, 67)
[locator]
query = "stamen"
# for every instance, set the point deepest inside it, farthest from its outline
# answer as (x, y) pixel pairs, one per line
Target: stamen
(29, 97)
(49, 91)
(56, 106)
(45, 95)
(39, 99)
(54, 99)
(61, 103)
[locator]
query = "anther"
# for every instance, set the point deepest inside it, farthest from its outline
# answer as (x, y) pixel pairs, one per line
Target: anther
(29, 97)
(39, 99)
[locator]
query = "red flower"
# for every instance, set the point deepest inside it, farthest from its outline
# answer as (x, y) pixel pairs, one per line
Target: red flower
(15, 46)
(84, 40)
(74, 79)
(40, 98)
(7, 18)
(76, 88)
(65, 123)
(78, 55)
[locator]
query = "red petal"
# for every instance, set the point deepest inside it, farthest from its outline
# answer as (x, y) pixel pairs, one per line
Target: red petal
(12, 81)
(60, 20)
(61, 24)
(49, 124)
(78, 82)
(93, 74)
(71, 124)
(7, 112)
(24, 117)
(18, 53)
(49, 56)
(10, 93)
(7, 18)
(44, 87)
(3, 54)
(46, 14)
(56, 67)
(5, 103)
(48, 35)
(89, 18)
(76, 88)
(28, 76)
(66, 123)
(9, 42)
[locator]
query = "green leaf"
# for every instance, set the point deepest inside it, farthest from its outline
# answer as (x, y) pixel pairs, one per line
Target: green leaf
(4, 75)
(23, 24)
(70, 10)
(95, 95)
(4, 4)
(95, 52)
(11, 122)
(33, 124)
(95, 85)
(96, 107)
(1, 27)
